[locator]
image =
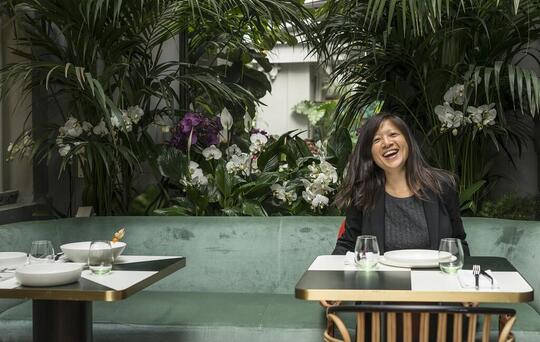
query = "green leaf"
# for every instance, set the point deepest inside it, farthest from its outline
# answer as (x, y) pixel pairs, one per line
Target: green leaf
(147, 202)
(340, 146)
(173, 164)
(172, 211)
(224, 180)
(250, 208)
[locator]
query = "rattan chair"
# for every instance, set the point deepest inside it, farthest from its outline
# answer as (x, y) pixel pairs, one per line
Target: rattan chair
(420, 331)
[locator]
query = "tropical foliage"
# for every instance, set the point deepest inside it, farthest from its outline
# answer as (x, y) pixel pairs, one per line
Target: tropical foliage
(451, 68)
(252, 174)
(101, 67)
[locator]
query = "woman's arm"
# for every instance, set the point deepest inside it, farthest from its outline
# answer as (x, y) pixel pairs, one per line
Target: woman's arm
(451, 200)
(353, 228)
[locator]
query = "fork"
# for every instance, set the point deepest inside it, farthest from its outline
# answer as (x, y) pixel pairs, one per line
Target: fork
(476, 273)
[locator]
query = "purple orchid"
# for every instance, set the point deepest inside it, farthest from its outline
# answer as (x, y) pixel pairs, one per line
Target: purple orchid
(204, 131)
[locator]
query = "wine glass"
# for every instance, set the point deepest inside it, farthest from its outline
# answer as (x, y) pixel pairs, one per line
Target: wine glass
(100, 257)
(41, 251)
(366, 252)
(451, 255)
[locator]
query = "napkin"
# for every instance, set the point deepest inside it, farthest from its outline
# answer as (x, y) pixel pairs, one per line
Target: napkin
(118, 280)
(8, 281)
(466, 280)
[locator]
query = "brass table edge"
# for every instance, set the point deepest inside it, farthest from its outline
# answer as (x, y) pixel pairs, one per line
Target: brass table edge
(110, 295)
(413, 296)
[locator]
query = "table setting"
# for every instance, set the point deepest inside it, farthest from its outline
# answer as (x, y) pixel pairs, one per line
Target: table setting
(91, 260)
(412, 275)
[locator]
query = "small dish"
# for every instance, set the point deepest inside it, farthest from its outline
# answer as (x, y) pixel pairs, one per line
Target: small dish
(417, 258)
(12, 259)
(49, 274)
(78, 251)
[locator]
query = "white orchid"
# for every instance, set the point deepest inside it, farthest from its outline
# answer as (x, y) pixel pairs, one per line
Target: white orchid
(212, 152)
(86, 126)
(283, 167)
(233, 150)
(128, 124)
(483, 115)
(71, 128)
(196, 174)
(135, 113)
(455, 95)
(280, 192)
(319, 202)
(239, 163)
(258, 140)
(449, 117)
(115, 121)
(23, 146)
(63, 150)
(101, 129)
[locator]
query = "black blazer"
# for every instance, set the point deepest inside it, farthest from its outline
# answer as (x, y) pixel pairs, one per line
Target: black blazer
(442, 217)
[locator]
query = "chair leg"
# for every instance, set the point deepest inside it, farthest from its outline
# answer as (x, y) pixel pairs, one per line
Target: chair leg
(458, 327)
(441, 327)
(340, 326)
(486, 329)
(391, 327)
(407, 327)
(505, 328)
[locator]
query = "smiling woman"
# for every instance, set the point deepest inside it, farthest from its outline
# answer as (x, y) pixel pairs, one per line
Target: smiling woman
(391, 192)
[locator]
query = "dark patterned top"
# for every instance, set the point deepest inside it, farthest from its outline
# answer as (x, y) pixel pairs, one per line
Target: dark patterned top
(405, 224)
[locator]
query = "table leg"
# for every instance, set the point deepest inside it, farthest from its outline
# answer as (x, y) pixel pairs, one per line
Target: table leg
(62, 321)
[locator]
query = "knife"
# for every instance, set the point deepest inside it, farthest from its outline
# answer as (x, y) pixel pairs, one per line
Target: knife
(485, 274)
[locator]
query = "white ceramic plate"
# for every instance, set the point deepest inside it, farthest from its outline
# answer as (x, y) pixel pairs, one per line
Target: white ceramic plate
(12, 259)
(48, 274)
(419, 258)
(78, 251)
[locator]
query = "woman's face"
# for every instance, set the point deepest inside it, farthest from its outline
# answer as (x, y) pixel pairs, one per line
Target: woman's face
(389, 149)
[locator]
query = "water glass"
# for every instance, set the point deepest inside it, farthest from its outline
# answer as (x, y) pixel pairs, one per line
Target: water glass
(100, 257)
(366, 252)
(451, 255)
(41, 251)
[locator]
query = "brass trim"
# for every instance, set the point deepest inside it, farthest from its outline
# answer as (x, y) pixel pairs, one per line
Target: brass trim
(107, 294)
(413, 296)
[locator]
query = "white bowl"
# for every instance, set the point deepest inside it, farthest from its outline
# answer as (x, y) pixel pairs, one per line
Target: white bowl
(78, 251)
(12, 259)
(48, 274)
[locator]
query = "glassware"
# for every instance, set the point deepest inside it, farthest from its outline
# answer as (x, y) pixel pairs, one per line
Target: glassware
(100, 257)
(41, 251)
(451, 255)
(366, 252)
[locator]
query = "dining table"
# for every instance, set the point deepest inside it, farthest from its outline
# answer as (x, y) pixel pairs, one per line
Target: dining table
(64, 313)
(330, 278)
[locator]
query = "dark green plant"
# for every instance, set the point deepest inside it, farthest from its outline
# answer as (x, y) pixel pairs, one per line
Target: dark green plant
(512, 206)
(95, 59)
(410, 54)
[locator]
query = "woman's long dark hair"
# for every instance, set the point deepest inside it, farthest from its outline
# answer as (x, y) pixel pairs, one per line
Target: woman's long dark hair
(364, 178)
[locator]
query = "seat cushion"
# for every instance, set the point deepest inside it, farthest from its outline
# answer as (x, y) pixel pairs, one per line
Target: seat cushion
(195, 316)
(9, 303)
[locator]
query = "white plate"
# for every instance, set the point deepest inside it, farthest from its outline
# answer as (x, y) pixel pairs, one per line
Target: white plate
(12, 259)
(48, 274)
(78, 251)
(420, 258)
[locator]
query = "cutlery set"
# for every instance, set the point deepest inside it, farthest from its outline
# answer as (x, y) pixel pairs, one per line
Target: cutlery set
(477, 272)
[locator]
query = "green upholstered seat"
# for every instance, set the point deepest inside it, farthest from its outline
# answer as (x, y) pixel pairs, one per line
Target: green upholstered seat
(201, 314)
